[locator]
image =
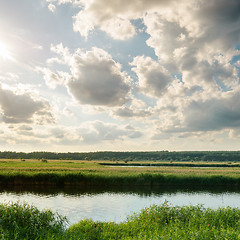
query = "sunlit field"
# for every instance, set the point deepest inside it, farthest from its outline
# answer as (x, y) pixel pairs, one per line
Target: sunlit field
(61, 172)
(156, 222)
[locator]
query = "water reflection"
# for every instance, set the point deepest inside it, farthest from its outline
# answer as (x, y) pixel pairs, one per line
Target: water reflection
(108, 204)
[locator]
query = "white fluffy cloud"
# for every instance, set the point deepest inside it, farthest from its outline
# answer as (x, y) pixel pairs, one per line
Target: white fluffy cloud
(95, 79)
(23, 108)
(190, 86)
(118, 28)
(52, 7)
(153, 78)
(197, 40)
(113, 17)
(52, 79)
(188, 37)
(194, 117)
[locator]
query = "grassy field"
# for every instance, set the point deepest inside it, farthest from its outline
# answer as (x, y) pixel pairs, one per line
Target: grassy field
(61, 172)
(157, 222)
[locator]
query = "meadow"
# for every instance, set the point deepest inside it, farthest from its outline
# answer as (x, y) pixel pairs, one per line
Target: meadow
(62, 172)
(156, 222)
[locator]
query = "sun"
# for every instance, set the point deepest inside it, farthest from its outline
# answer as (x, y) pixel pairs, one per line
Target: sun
(5, 54)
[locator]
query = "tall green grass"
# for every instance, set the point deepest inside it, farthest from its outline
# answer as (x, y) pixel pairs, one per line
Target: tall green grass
(98, 178)
(156, 222)
(165, 222)
(22, 221)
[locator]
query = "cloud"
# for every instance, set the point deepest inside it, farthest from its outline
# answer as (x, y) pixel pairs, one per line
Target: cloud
(219, 113)
(97, 131)
(197, 40)
(118, 28)
(153, 78)
(52, 79)
(112, 17)
(52, 7)
(97, 79)
(23, 108)
(25, 128)
(191, 87)
(94, 78)
(214, 114)
(94, 133)
(126, 112)
(60, 2)
(188, 36)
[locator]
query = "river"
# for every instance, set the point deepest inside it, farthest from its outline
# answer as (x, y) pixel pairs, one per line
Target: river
(115, 205)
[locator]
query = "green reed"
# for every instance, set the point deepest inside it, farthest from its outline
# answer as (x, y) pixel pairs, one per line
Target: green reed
(165, 222)
(22, 221)
(102, 178)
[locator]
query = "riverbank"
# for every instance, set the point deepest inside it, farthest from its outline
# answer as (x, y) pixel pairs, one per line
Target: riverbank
(157, 222)
(172, 164)
(84, 173)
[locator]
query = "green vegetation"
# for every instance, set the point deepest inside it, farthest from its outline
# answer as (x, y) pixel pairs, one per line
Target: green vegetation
(27, 222)
(157, 222)
(165, 222)
(84, 173)
(220, 156)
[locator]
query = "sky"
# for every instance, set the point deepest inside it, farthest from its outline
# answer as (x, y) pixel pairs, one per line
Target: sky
(99, 75)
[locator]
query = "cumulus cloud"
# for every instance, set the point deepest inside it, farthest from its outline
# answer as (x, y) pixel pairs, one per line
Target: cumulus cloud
(193, 86)
(52, 79)
(188, 36)
(97, 79)
(153, 78)
(197, 43)
(118, 28)
(113, 17)
(214, 114)
(23, 108)
(137, 109)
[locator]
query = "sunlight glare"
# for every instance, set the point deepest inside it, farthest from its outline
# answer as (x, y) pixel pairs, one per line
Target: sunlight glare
(5, 54)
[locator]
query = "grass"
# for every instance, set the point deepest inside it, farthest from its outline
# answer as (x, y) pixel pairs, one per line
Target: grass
(27, 222)
(165, 222)
(156, 222)
(59, 173)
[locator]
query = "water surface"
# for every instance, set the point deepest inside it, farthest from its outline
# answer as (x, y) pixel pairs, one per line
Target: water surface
(115, 205)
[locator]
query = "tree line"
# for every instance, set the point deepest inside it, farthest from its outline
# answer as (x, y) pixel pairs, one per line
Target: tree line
(233, 156)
